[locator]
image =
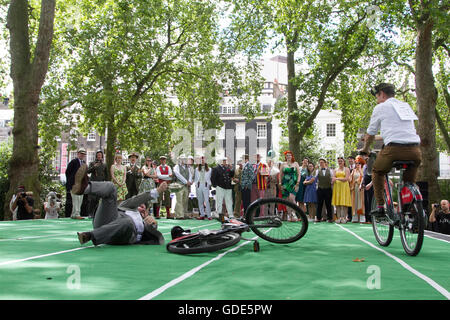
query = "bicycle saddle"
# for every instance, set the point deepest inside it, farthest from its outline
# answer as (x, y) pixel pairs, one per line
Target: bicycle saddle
(178, 231)
(403, 164)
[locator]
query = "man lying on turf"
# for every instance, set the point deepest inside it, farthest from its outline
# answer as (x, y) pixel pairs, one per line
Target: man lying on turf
(128, 223)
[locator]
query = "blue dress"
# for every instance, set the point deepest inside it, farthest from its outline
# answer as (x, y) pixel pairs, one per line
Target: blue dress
(311, 191)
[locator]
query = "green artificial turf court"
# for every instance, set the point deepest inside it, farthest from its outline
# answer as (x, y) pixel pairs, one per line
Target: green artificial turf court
(42, 259)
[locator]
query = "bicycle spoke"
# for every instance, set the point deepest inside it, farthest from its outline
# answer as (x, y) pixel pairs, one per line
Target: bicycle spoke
(274, 225)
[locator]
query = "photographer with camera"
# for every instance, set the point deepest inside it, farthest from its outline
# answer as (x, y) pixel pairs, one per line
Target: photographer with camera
(24, 203)
(441, 215)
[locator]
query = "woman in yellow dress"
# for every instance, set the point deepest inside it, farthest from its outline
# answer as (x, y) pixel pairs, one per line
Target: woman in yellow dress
(118, 177)
(341, 191)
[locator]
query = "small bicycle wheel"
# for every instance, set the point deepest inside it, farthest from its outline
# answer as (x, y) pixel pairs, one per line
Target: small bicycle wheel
(200, 243)
(382, 229)
(275, 225)
(412, 227)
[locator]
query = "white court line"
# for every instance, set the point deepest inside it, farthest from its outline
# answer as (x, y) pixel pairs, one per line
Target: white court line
(428, 280)
(189, 274)
(437, 236)
(35, 237)
(61, 252)
(42, 256)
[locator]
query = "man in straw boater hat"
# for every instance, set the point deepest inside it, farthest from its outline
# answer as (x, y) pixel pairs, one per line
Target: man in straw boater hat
(74, 201)
(165, 174)
(184, 178)
(133, 176)
(128, 223)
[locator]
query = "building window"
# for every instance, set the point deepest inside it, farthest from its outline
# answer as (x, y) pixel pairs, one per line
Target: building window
(73, 155)
(261, 131)
(91, 136)
(57, 161)
(240, 130)
(91, 156)
(229, 109)
(331, 130)
(266, 108)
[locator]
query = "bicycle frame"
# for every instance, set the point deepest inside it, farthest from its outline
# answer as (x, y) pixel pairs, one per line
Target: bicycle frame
(406, 193)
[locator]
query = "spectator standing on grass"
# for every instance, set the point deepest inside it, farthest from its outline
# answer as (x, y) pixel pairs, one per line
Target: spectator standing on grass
(341, 198)
(221, 177)
(247, 176)
(366, 186)
(133, 177)
(74, 201)
(351, 165)
(148, 182)
(301, 188)
(324, 190)
(165, 174)
(202, 182)
(357, 192)
(441, 215)
(272, 182)
(290, 180)
(183, 176)
(98, 172)
(118, 177)
(237, 189)
(310, 196)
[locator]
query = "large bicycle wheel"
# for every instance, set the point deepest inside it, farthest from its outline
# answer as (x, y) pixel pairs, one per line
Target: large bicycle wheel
(275, 225)
(382, 229)
(200, 243)
(412, 224)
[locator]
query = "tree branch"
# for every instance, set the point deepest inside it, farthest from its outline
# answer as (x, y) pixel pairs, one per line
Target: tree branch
(43, 44)
(407, 66)
(443, 129)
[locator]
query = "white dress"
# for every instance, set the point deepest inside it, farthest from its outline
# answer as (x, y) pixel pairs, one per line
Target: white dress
(52, 212)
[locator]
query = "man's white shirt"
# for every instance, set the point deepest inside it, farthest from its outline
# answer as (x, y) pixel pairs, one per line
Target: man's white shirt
(386, 119)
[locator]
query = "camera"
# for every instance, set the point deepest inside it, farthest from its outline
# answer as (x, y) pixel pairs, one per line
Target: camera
(23, 194)
(436, 205)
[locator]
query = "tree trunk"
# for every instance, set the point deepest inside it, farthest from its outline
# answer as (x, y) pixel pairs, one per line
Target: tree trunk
(293, 119)
(426, 104)
(28, 77)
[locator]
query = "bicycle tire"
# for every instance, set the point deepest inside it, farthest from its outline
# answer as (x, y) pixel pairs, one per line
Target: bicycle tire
(272, 227)
(382, 229)
(412, 225)
(201, 244)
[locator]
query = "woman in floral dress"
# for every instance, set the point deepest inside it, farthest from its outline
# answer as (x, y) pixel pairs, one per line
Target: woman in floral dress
(118, 177)
(148, 182)
(290, 179)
